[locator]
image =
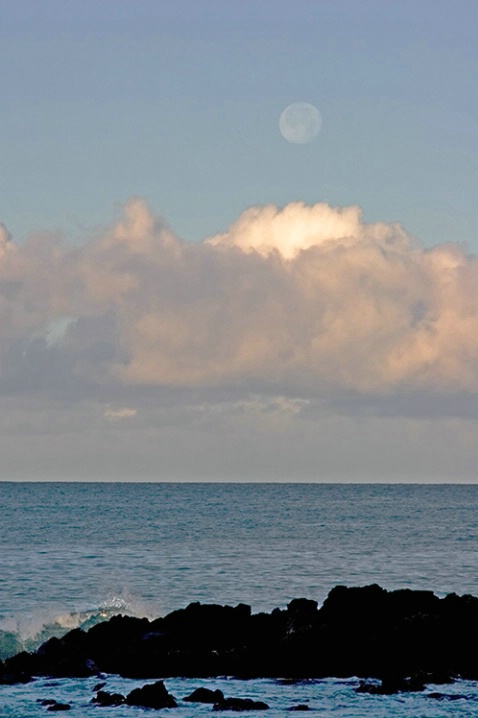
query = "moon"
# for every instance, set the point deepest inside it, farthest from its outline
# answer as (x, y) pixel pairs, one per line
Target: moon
(300, 122)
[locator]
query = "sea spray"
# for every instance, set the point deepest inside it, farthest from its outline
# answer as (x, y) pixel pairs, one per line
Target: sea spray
(28, 632)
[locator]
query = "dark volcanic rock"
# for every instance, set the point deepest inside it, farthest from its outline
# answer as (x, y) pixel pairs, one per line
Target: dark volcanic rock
(367, 632)
(205, 695)
(299, 707)
(240, 704)
(302, 609)
(103, 698)
(115, 644)
(391, 685)
(448, 696)
(10, 679)
(64, 657)
(19, 668)
(52, 705)
(153, 695)
(59, 707)
(439, 677)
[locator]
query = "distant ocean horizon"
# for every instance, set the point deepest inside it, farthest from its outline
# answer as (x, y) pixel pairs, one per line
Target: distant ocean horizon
(74, 553)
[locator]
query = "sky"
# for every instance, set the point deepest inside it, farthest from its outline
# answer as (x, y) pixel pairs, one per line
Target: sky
(185, 295)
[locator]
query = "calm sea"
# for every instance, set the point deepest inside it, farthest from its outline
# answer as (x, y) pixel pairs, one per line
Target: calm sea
(72, 554)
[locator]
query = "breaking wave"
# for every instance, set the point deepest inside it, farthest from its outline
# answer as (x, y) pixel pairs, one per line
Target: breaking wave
(27, 633)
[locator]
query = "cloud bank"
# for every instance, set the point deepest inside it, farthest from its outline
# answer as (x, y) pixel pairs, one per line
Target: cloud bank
(303, 301)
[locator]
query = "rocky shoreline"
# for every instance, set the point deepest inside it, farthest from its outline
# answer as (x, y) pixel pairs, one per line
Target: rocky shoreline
(404, 638)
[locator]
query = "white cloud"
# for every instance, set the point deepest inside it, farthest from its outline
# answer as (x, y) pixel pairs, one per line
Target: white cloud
(296, 227)
(293, 302)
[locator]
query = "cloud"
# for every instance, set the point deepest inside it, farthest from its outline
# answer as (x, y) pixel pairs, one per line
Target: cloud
(296, 227)
(119, 414)
(5, 235)
(303, 302)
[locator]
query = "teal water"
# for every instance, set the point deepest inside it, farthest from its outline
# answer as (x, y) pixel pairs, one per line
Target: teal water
(325, 698)
(73, 554)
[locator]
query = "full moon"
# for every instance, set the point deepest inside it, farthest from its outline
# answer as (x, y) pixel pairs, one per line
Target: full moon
(300, 122)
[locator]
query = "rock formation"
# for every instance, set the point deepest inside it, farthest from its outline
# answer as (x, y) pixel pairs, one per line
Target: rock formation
(367, 632)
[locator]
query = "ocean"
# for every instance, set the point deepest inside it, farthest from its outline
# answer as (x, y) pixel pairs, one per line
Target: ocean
(73, 554)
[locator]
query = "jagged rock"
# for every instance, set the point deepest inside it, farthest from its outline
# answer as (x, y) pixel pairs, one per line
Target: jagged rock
(205, 695)
(302, 605)
(366, 631)
(152, 695)
(240, 704)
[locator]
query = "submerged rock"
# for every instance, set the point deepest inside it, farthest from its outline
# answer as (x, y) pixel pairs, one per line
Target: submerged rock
(240, 704)
(449, 696)
(299, 707)
(391, 685)
(53, 705)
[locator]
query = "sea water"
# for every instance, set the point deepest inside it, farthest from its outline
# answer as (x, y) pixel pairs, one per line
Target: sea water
(72, 554)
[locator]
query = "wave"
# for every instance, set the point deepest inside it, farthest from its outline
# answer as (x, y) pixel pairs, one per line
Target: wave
(27, 633)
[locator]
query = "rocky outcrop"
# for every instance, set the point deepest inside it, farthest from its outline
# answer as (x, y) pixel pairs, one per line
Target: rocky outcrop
(367, 632)
(153, 695)
(205, 695)
(106, 699)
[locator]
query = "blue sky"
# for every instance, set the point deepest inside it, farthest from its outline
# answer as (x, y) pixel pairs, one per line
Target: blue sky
(311, 342)
(179, 103)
